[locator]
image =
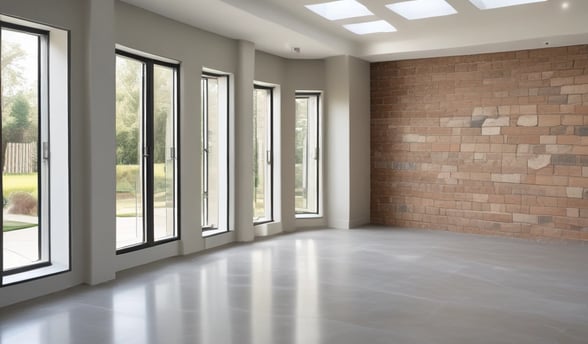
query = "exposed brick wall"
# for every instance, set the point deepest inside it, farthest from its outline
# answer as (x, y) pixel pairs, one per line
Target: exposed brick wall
(492, 143)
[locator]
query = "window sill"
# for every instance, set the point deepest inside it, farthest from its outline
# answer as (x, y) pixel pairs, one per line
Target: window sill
(309, 216)
(34, 274)
(262, 222)
(209, 233)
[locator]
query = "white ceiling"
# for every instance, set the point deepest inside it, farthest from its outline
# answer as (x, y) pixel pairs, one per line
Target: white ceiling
(277, 26)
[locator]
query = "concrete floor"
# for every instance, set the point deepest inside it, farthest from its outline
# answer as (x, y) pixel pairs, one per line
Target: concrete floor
(370, 286)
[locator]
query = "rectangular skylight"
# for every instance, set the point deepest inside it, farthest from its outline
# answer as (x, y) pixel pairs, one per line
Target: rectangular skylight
(370, 27)
(419, 9)
(341, 9)
(490, 4)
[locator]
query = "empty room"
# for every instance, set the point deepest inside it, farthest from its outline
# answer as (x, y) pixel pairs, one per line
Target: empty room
(294, 171)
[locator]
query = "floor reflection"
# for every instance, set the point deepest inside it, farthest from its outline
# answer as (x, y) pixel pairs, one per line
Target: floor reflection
(261, 296)
(215, 324)
(307, 296)
(328, 287)
(130, 312)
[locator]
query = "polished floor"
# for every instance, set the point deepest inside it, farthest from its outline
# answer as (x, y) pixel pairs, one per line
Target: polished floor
(365, 286)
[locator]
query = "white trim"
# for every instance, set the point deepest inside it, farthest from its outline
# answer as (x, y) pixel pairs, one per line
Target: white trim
(32, 274)
(55, 130)
(147, 55)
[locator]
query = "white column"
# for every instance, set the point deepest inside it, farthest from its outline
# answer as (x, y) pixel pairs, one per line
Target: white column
(337, 142)
(190, 169)
(347, 131)
(359, 138)
(287, 134)
(243, 203)
(101, 238)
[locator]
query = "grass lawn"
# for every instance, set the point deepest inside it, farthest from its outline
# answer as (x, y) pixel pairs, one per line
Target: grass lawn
(16, 225)
(128, 177)
(127, 182)
(19, 182)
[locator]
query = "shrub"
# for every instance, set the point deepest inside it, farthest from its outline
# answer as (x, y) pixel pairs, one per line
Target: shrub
(22, 203)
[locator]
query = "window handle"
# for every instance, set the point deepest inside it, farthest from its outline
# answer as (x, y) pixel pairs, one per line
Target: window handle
(45, 150)
(268, 157)
(316, 153)
(145, 152)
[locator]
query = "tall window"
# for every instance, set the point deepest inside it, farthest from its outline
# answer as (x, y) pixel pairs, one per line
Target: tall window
(307, 164)
(34, 156)
(214, 154)
(262, 154)
(146, 151)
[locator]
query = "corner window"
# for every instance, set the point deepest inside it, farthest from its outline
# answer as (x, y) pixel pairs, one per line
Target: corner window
(214, 184)
(262, 154)
(35, 150)
(146, 151)
(307, 155)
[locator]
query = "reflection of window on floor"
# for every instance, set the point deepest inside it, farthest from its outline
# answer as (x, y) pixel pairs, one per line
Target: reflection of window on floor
(214, 155)
(262, 154)
(146, 176)
(307, 161)
(35, 237)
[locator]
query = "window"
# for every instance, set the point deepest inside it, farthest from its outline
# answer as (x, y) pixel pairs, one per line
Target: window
(35, 150)
(262, 154)
(214, 162)
(146, 151)
(307, 161)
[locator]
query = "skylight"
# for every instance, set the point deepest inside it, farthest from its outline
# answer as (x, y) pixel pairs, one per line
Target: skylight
(490, 4)
(419, 9)
(341, 9)
(370, 27)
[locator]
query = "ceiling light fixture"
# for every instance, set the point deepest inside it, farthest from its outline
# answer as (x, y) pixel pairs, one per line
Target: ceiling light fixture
(490, 4)
(370, 27)
(341, 9)
(419, 9)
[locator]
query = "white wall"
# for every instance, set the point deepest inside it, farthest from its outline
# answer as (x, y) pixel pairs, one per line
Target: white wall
(96, 26)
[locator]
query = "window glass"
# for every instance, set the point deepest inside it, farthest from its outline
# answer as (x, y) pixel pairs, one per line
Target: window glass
(214, 153)
(23, 243)
(164, 153)
(129, 162)
(262, 154)
(307, 154)
(146, 152)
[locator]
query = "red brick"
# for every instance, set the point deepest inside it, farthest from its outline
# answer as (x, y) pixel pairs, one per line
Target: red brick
(468, 182)
(549, 120)
(572, 120)
(578, 182)
(548, 211)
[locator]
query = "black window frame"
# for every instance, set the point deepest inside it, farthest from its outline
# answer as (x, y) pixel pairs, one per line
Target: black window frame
(319, 156)
(271, 139)
(43, 40)
(148, 156)
(204, 132)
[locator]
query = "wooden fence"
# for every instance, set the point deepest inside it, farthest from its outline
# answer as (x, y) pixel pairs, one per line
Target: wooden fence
(20, 158)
